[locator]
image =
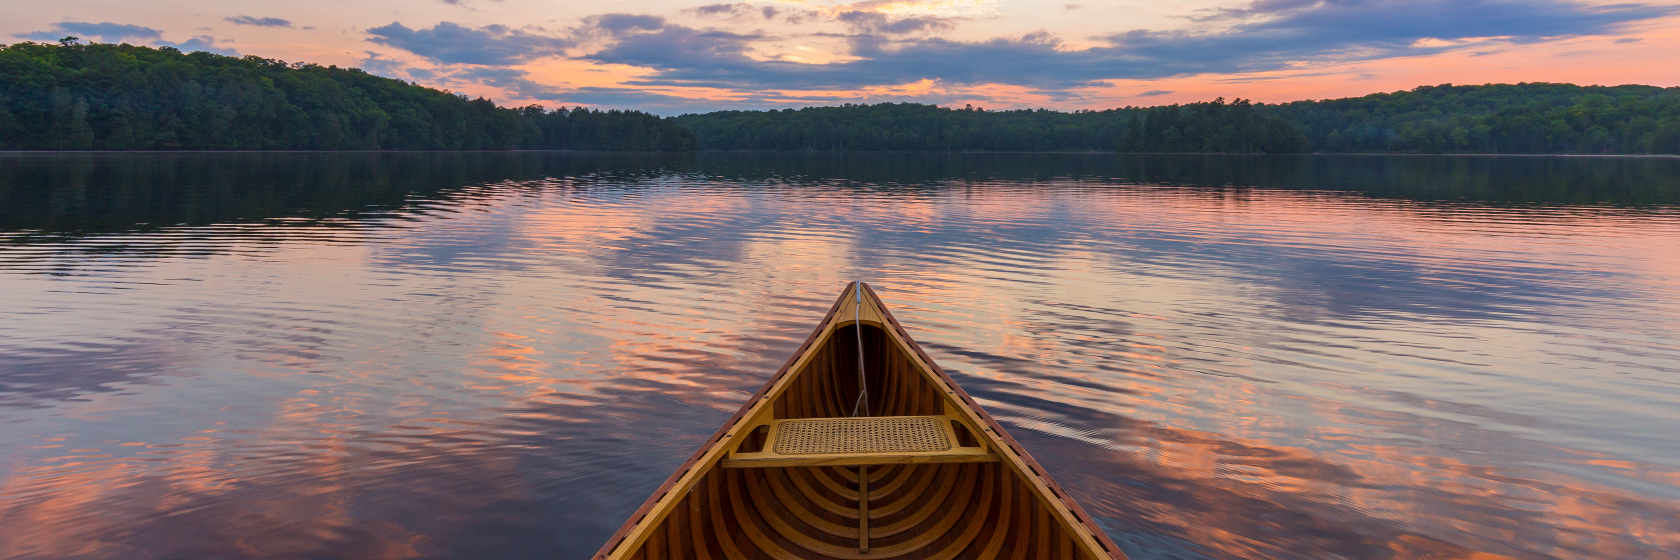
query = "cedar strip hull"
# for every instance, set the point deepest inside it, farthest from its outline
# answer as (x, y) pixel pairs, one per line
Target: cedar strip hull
(1005, 509)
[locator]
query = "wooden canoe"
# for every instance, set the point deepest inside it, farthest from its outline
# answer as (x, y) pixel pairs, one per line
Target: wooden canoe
(924, 475)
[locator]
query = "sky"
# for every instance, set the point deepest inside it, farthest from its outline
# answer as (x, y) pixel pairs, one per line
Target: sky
(682, 56)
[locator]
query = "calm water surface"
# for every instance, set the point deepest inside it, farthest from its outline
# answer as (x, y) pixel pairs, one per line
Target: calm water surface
(501, 355)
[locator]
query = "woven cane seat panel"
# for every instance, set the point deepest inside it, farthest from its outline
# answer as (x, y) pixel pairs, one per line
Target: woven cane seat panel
(901, 434)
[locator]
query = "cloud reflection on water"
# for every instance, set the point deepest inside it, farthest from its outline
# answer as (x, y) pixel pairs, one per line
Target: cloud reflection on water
(507, 365)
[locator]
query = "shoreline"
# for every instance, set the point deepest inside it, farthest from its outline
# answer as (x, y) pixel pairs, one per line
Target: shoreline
(831, 152)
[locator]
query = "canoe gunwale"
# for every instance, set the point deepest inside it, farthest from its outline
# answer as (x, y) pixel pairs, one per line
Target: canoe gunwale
(1011, 452)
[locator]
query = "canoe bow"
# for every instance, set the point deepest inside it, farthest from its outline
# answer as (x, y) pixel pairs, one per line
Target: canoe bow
(793, 475)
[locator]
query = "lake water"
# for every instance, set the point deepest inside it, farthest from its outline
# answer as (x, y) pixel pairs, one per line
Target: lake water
(500, 355)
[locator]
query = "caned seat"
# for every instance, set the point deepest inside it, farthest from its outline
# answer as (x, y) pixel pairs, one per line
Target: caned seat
(891, 434)
(882, 440)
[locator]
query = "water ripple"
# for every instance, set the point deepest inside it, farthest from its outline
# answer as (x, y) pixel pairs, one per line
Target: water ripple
(500, 355)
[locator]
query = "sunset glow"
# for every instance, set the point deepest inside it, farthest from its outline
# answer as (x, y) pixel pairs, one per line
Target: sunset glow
(675, 57)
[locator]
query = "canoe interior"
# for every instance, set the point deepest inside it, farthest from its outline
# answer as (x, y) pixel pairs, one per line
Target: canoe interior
(828, 387)
(916, 511)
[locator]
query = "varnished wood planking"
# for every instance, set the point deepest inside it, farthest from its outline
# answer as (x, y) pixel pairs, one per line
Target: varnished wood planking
(775, 524)
(915, 512)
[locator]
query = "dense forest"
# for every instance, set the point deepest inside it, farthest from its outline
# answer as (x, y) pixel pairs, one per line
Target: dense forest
(1533, 118)
(122, 97)
(1214, 126)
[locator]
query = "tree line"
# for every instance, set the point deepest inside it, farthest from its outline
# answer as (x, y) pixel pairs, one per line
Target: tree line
(1527, 118)
(74, 96)
(1214, 126)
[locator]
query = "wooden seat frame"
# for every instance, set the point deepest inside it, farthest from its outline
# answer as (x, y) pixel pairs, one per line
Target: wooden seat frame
(956, 453)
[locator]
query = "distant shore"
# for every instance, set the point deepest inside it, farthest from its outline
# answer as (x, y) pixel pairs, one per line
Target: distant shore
(830, 152)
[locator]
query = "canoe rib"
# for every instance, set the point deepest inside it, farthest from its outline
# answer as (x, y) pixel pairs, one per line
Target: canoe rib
(981, 497)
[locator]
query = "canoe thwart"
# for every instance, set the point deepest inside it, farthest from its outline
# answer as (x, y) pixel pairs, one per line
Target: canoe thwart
(881, 440)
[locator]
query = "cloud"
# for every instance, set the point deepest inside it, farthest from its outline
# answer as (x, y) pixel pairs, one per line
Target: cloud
(451, 43)
(259, 22)
(512, 80)
(619, 24)
(1401, 21)
(1626, 40)
(377, 66)
(204, 43)
(675, 49)
(1153, 93)
(683, 56)
(722, 10)
(1290, 32)
(1066, 7)
(1265, 35)
(104, 32)
(875, 23)
(727, 11)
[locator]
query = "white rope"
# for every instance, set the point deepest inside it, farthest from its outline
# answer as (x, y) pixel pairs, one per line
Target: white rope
(857, 325)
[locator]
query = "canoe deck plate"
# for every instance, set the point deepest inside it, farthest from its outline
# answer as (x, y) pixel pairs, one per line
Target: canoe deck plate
(893, 434)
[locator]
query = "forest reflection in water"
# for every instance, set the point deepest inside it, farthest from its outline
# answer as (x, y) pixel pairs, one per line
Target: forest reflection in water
(405, 355)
